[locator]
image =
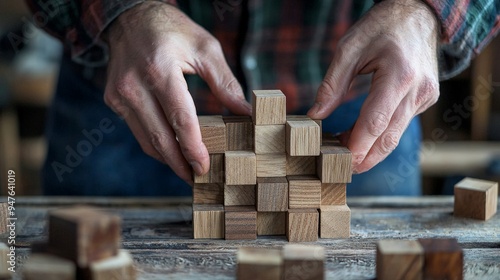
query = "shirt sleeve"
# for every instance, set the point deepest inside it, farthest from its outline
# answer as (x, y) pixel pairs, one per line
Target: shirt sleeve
(79, 24)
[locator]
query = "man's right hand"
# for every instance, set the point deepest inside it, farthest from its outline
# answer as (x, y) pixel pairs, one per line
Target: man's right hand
(151, 46)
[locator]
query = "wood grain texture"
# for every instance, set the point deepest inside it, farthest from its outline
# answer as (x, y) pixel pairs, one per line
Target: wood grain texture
(271, 165)
(335, 221)
(303, 138)
(271, 223)
(45, 266)
(269, 107)
(333, 194)
(4, 214)
(239, 195)
(443, 258)
(269, 139)
(119, 267)
(216, 172)
(208, 221)
(300, 165)
(241, 168)
(303, 262)
(208, 193)
(213, 133)
(272, 194)
(258, 263)
(302, 225)
(334, 164)
(304, 118)
(4, 258)
(239, 133)
(399, 260)
(240, 222)
(476, 199)
(84, 234)
(304, 192)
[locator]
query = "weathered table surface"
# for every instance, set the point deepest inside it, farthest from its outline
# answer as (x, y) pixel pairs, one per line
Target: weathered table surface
(158, 233)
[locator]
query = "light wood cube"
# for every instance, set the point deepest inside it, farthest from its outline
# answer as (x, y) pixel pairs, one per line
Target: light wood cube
(335, 221)
(304, 192)
(302, 225)
(239, 133)
(333, 194)
(258, 263)
(269, 107)
(46, 266)
(208, 193)
(476, 199)
(239, 195)
(334, 164)
(269, 139)
(240, 168)
(240, 222)
(399, 260)
(213, 133)
(216, 172)
(303, 262)
(272, 194)
(271, 223)
(271, 165)
(208, 221)
(303, 138)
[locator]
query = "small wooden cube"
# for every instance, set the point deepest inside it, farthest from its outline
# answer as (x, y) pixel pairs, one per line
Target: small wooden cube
(333, 194)
(240, 168)
(269, 139)
(269, 107)
(213, 133)
(271, 223)
(334, 164)
(239, 133)
(239, 195)
(476, 199)
(272, 194)
(302, 225)
(45, 266)
(240, 222)
(304, 192)
(208, 193)
(300, 165)
(118, 267)
(271, 165)
(443, 259)
(399, 260)
(303, 138)
(208, 221)
(4, 261)
(258, 263)
(216, 172)
(4, 214)
(335, 221)
(304, 118)
(303, 262)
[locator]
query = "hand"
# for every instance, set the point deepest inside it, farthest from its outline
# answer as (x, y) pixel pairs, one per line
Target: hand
(396, 41)
(151, 46)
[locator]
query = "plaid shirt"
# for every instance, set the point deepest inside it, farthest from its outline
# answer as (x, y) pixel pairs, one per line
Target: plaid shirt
(271, 44)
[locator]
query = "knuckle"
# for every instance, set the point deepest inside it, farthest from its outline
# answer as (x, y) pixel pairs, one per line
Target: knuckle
(179, 119)
(389, 141)
(407, 74)
(127, 91)
(428, 93)
(210, 46)
(159, 143)
(377, 123)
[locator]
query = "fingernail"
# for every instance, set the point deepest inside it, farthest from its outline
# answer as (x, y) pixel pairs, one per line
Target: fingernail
(196, 167)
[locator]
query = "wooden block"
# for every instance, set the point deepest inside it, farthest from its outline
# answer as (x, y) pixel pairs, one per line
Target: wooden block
(476, 199)
(269, 107)
(239, 133)
(240, 222)
(303, 138)
(208, 221)
(208, 193)
(399, 260)
(213, 133)
(4, 261)
(443, 259)
(216, 172)
(333, 194)
(120, 267)
(258, 263)
(239, 195)
(335, 221)
(4, 214)
(304, 118)
(269, 139)
(271, 165)
(45, 266)
(334, 164)
(303, 262)
(304, 192)
(302, 225)
(300, 165)
(84, 234)
(240, 168)
(271, 223)
(272, 194)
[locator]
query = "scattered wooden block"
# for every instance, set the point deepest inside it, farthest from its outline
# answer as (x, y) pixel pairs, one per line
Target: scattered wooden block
(399, 260)
(269, 107)
(269, 139)
(443, 259)
(271, 165)
(213, 133)
(476, 199)
(216, 172)
(303, 138)
(272, 194)
(334, 164)
(240, 222)
(300, 165)
(45, 266)
(239, 195)
(302, 225)
(271, 223)
(119, 267)
(333, 194)
(84, 234)
(239, 133)
(304, 192)
(208, 193)
(4, 261)
(240, 168)
(335, 221)
(258, 263)
(303, 262)
(208, 221)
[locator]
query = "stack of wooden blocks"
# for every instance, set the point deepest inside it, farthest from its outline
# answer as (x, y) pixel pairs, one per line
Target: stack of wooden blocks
(83, 244)
(269, 175)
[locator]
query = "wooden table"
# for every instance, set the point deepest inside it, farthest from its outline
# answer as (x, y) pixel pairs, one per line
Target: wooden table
(158, 234)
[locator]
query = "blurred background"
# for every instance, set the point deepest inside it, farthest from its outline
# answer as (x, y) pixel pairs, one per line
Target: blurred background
(461, 132)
